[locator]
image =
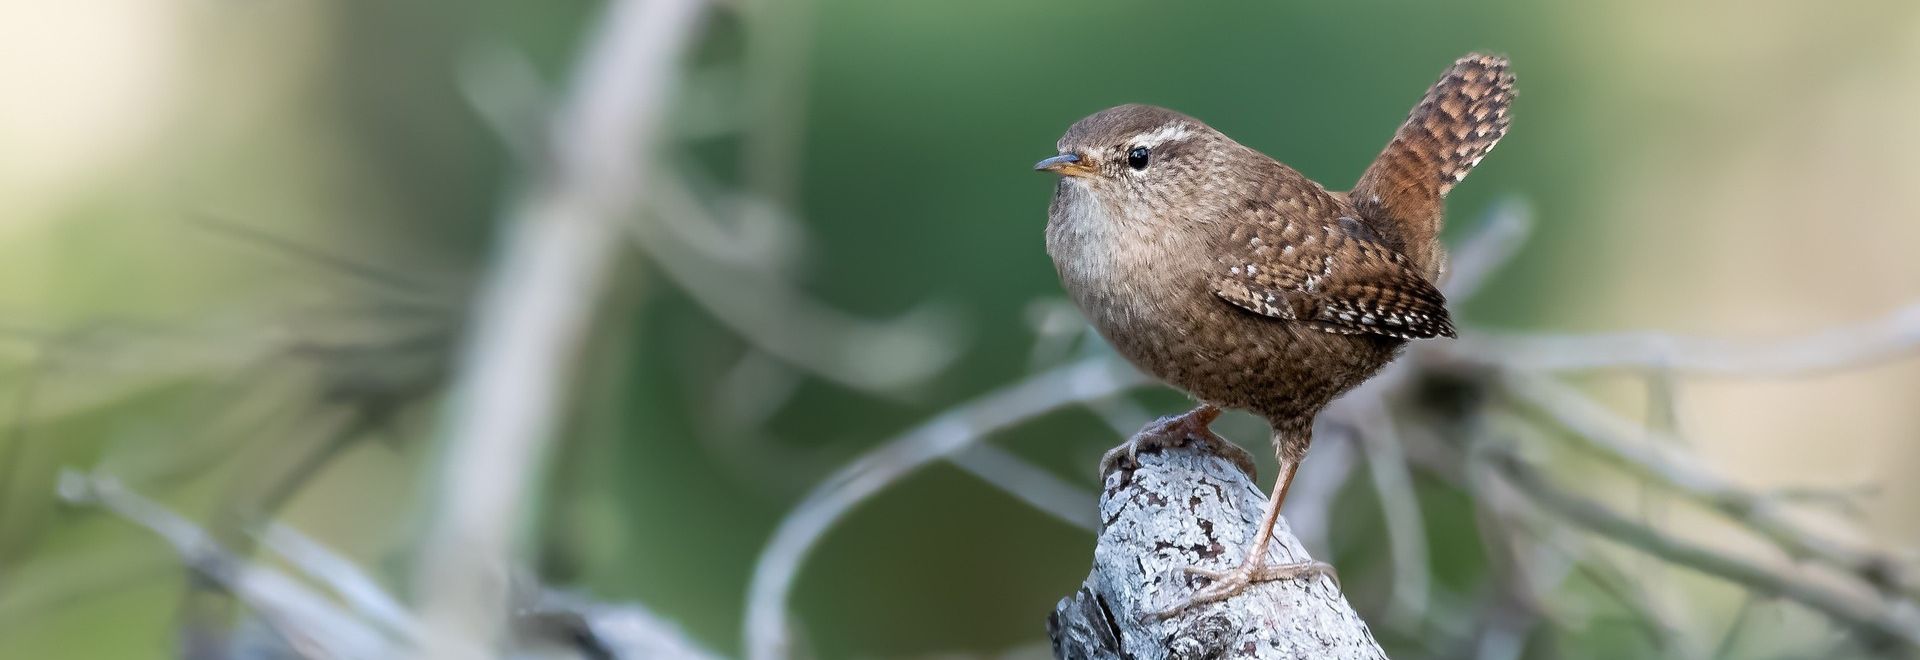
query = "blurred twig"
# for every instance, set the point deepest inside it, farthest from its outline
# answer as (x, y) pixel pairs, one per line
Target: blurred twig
(532, 313)
(361, 620)
(299, 615)
(386, 281)
(778, 37)
(729, 251)
(879, 358)
(1492, 245)
(1605, 434)
(1406, 528)
(1866, 612)
(13, 463)
(361, 593)
(1893, 335)
(943, 436)
(1032, 484)
(610, 631)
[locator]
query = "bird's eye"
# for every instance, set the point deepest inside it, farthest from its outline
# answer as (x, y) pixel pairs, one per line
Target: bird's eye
(1137, 159)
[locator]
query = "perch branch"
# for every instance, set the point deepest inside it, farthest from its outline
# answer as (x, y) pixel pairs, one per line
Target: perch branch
(1191, 506)
(533, 312)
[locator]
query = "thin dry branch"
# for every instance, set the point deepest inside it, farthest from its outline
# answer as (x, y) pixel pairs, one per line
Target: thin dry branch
(1894, 335)
(1490, 247)
(1400, 506)
(1645, 452)
(884, 357)
(328, 607)
(730, 256)
(1030, 483)
(1864, 611)
(294, 611)
(533, 312)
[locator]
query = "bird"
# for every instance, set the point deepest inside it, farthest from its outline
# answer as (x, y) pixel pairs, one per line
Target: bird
(1229, 275)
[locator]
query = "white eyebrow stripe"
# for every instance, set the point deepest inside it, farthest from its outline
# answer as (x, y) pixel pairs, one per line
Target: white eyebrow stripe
(1161, 135)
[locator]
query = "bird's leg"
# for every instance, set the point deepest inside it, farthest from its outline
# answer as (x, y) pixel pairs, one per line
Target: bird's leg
(1254, 568)
(1174, 431)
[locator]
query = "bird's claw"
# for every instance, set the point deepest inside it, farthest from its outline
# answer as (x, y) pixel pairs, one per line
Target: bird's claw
(1173, 431)
(1227, 584)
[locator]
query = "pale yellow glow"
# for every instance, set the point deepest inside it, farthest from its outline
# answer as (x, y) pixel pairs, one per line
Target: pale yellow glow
(85, 84)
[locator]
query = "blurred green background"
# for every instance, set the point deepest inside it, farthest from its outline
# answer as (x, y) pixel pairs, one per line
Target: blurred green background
(169, 170)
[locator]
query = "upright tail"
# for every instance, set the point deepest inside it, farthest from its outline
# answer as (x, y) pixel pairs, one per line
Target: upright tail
(1454, 126)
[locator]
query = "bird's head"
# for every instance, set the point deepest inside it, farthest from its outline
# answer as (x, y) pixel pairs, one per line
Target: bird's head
(1142, 160)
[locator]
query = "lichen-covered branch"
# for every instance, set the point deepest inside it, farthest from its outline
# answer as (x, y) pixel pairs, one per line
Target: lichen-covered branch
(1193, 506)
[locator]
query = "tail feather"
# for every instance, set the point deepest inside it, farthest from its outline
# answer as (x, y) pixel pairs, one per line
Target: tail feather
(1445, 136)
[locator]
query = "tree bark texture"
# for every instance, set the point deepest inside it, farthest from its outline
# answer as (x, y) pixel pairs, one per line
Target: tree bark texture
(1196, 505)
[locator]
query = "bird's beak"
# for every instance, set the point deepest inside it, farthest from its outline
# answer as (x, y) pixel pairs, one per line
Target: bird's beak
(1065, 164)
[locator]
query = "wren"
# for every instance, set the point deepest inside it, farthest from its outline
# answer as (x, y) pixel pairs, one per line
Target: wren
(1237, 279)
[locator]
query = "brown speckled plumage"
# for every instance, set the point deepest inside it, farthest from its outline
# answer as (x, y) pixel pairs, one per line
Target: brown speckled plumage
(1235, 278)
(1449, 131)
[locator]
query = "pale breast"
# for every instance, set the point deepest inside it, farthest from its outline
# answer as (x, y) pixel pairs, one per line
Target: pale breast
(1125, 274)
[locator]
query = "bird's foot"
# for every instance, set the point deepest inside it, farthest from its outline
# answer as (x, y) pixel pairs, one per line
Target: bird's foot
(1174, 431)
(1227, 584)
